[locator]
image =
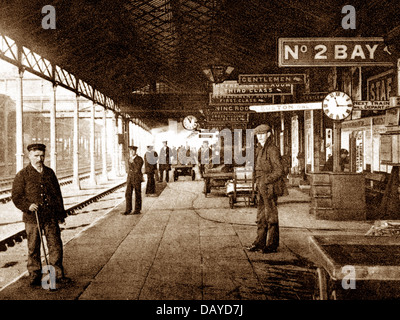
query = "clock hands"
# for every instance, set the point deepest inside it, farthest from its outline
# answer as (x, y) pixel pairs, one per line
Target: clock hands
(336, 101)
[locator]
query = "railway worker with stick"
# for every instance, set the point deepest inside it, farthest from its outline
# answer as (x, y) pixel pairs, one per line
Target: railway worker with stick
(268, 173)
(36, 192)
(134, 182)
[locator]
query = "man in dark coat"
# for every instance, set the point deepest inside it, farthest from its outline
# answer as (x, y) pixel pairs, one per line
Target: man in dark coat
(134, 182)
(204, 157)
(164, 163)
(268, 170)
(150, 166)
(36, 189)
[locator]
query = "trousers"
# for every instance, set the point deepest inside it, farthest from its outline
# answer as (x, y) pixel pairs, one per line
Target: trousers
(267, 217)
(161, 171)
(54, 246)
(151, 183)
(130, 186)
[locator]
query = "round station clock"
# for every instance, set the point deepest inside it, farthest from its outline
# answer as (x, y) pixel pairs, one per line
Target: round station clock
(190, 123)
(337, 105)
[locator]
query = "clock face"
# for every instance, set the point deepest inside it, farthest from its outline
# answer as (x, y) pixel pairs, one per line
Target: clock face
(337, 105)
(190, 123)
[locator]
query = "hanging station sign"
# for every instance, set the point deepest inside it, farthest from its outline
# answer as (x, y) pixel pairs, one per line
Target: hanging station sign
(370, 105)
(314, 52)
(313, 96)
(382, 86)
(233, 88)
(240, 99)
(287, 107)
(228, 108)
(272, 78)
(230, 117)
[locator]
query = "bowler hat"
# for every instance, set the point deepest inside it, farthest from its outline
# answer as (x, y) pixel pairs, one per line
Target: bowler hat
(133, 148)
(262, 128)
(36, 146)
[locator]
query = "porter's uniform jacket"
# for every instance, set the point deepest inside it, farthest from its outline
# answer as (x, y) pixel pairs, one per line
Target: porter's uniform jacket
(43, 189)
(135, 175)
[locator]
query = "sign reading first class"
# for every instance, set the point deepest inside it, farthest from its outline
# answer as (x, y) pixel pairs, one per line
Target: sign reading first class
(314, 52)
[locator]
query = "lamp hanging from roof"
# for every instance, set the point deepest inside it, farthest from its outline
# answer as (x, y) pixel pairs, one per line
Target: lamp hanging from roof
(217, 73)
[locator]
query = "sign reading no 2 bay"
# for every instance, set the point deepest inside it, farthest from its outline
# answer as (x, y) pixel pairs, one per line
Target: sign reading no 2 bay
(314, 52)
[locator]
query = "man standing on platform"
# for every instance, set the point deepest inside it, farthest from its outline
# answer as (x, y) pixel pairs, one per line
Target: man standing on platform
(204, 156)
(268, 171)
(164, 162)
(134, 182)
(36, 192)
(150, 166)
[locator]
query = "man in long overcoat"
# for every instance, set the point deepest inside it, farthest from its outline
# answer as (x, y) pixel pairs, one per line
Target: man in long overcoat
(150, 166)
(268, 170)
(164, 163)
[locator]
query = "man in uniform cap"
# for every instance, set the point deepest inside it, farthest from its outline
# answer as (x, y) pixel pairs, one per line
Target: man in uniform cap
(164, 162)
(134, 181)
(150, 166)
(268, 170)
(204, 157)
(36, 189)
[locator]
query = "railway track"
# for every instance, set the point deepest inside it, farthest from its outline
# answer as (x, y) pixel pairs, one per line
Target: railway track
(20, 234)
(5, 193)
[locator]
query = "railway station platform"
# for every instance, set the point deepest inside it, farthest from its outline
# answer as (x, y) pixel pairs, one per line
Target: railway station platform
(185, 246)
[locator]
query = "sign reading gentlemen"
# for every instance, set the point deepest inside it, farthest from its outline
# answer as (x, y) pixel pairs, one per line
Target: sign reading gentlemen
(272, 78)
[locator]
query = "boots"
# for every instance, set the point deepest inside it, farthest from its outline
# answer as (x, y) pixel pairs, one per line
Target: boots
(272, 241)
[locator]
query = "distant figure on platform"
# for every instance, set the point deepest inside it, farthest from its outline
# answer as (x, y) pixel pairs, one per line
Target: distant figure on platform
(36, 192)
(134, 182)
(343, 162)
(268, 172)
(164, 162)
(150, 167)
(204, 156)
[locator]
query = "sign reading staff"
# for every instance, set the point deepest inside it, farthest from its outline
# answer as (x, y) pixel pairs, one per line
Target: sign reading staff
(313, 52)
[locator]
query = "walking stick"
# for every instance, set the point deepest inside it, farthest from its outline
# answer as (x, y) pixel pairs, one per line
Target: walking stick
(41, 238)
(50, 288)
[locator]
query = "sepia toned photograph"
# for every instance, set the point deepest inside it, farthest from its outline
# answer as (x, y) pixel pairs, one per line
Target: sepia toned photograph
(200, 158)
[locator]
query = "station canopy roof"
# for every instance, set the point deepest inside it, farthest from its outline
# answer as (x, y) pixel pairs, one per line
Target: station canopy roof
(150, 54)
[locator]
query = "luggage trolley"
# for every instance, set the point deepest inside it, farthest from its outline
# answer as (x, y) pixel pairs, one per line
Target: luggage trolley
(183, 170)
(242, 185)
(372, 258)
(216, 178)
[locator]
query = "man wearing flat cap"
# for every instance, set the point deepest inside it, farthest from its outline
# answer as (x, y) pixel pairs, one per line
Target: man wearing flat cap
(268, 171)
(134, 181)
(36, 189)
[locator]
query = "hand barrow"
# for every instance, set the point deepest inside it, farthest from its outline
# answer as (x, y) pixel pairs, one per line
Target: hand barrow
(184, 170)
(215, 179)
(242, 186)
(350, 265)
